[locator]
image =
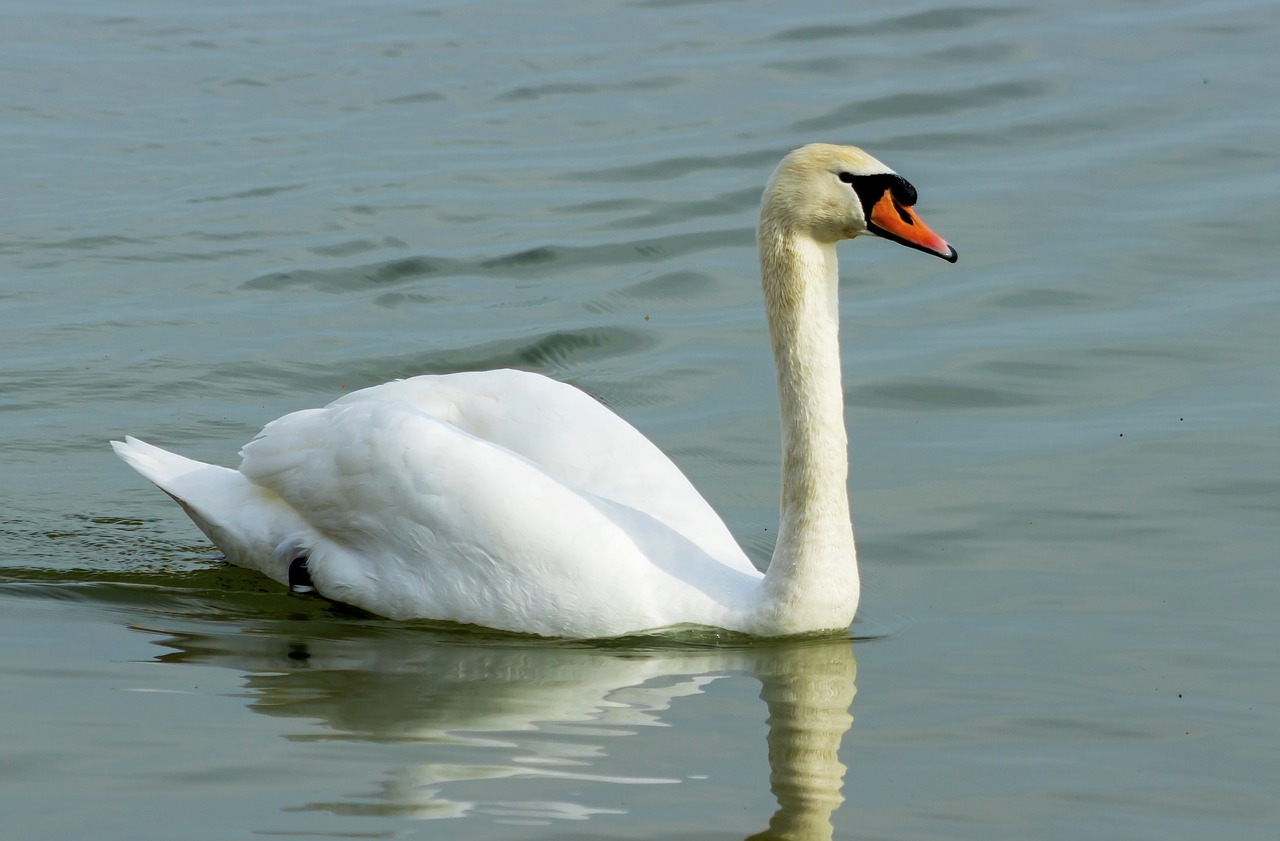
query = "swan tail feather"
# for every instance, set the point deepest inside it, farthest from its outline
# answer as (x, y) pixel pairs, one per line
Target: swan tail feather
(161, 467)
(251, 525)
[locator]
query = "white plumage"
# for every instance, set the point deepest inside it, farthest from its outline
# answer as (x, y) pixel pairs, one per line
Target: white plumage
(509, 500)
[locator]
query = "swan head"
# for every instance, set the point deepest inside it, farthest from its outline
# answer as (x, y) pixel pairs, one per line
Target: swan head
(840, 192)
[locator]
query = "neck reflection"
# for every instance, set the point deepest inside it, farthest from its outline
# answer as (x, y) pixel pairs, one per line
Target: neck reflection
(540, 716)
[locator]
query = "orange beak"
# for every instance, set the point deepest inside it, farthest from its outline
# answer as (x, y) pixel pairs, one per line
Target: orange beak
(895, 221)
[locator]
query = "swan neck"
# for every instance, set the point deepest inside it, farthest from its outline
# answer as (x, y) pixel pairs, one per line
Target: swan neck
(812, 581)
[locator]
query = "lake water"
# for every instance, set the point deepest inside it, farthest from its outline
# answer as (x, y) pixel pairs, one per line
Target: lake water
(1065, 448)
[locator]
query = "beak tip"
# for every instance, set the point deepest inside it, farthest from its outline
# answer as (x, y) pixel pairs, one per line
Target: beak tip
(951, 256)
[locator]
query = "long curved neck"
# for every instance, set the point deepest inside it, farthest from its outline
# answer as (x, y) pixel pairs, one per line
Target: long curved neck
(812, 581)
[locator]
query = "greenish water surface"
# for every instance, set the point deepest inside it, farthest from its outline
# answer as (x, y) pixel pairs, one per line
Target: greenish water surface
(1064, 447)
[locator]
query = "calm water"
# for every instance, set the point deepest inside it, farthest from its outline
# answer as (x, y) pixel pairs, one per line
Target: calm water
(1064, 448)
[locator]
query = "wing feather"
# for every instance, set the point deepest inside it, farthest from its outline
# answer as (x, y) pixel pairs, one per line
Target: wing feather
(572, 437)
(419, 517)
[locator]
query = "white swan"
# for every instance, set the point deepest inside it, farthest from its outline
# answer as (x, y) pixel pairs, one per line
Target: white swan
(508, 500)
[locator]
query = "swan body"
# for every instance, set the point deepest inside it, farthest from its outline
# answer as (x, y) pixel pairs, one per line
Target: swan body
(509, 500)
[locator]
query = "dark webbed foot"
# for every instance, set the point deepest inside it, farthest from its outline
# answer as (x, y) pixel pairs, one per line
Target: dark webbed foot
(300, 576)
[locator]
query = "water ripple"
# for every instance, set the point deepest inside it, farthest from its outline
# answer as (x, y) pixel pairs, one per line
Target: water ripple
(528, 262)
(917, 104)
(930, 20)
(924, 393)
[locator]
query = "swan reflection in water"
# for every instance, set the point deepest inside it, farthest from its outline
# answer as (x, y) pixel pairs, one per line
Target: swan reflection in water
(550, 709)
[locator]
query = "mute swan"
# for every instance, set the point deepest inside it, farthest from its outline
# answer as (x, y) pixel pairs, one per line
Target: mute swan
(512, 501)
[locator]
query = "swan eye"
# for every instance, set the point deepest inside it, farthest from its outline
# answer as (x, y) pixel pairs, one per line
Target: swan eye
(846, 177)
